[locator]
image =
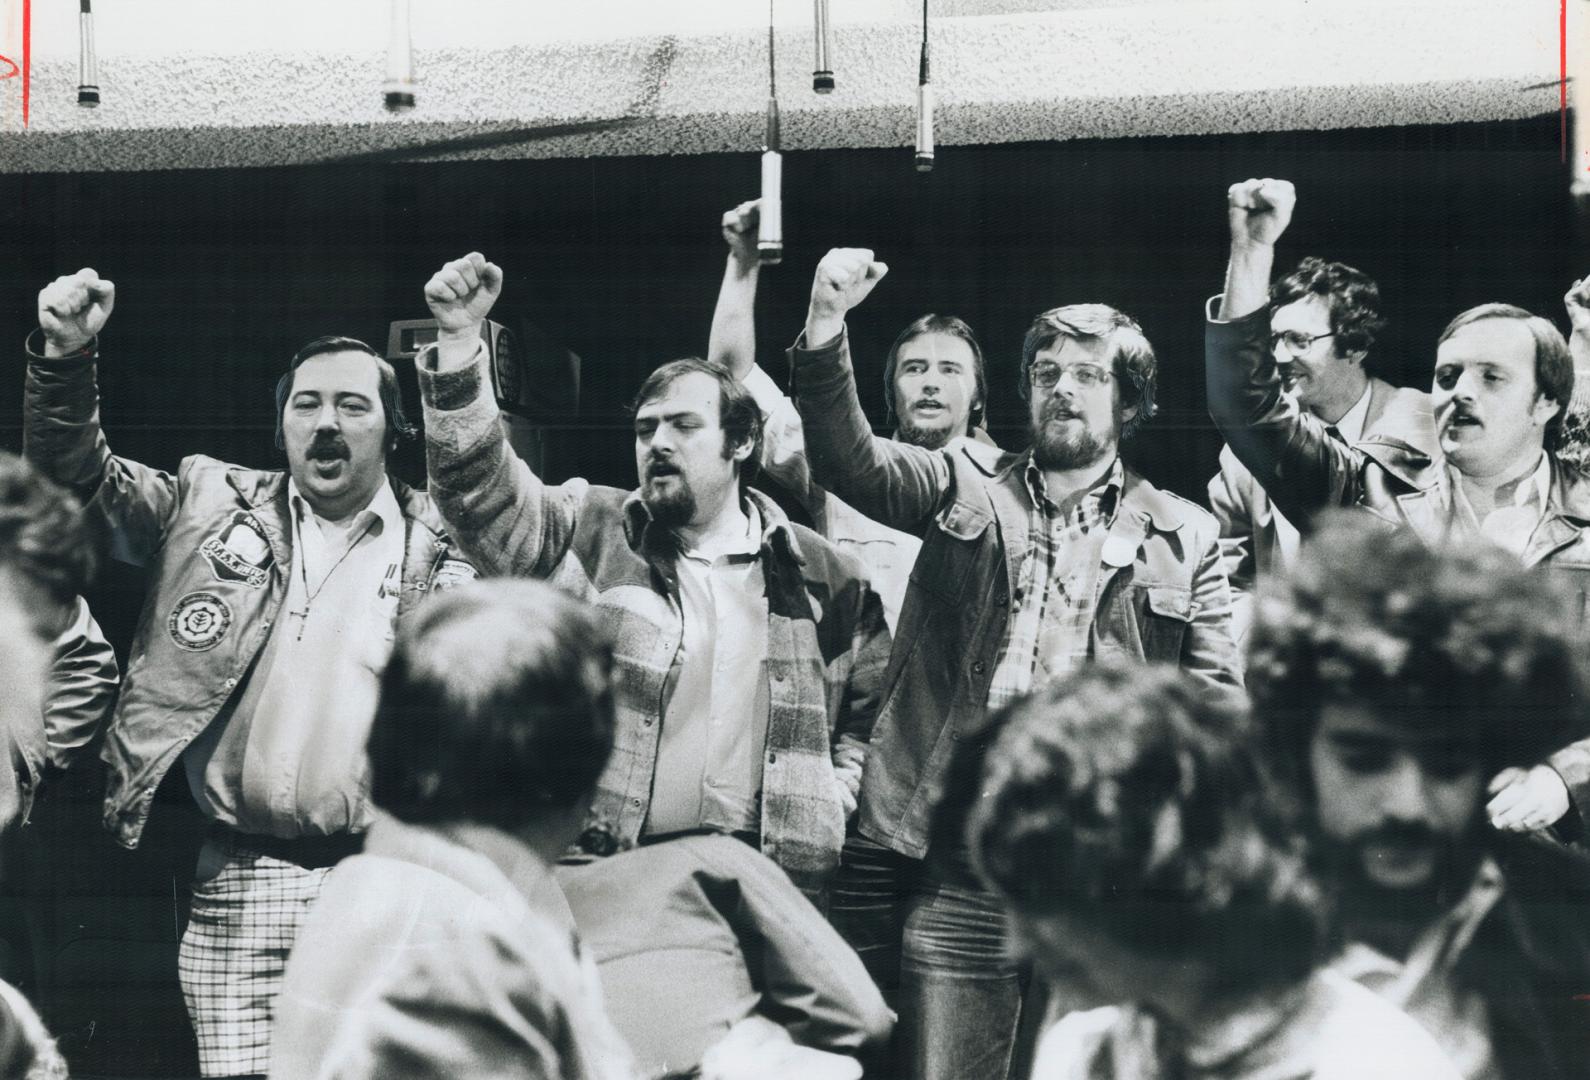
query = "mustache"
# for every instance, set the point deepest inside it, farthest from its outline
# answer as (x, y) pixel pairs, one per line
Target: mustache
(1054, 410)
(329, 446)
(1398, 834)
(656, 466)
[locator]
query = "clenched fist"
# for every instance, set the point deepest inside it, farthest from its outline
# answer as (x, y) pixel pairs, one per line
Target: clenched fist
(460, 294)
(1578, 304)
(1259, 211)
(844, 278)
(73, 310)
(739, 232)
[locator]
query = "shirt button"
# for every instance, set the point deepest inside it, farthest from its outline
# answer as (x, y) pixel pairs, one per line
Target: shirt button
(634, 802)
(978, 667)
(230, 683)
(772, 759)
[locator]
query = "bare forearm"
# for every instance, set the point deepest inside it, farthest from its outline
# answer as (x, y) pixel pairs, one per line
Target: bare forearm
(1247, 280)
(733, 338)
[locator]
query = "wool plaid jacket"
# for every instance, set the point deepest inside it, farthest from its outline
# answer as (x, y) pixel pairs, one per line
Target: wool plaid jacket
(827, 642)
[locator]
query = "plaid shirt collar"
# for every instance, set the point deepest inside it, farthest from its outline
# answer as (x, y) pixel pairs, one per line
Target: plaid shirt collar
(1103, 498)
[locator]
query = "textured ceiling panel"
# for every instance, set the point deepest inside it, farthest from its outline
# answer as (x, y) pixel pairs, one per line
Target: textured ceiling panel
(500, 85)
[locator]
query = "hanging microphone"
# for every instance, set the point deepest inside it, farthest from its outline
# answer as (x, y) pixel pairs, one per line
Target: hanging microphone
(399, 61)
(822, 72)
(924, 113)
(770, 225)
(87, 63)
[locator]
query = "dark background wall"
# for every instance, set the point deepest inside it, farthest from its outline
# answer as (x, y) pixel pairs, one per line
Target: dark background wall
(223, 274)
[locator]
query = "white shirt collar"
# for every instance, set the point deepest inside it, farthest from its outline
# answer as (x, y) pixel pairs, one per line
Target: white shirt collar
(1351, 425)
(383, 505)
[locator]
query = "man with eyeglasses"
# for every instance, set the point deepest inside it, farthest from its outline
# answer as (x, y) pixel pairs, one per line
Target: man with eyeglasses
(1324, 317)
(1501, 381)
(1032, 564)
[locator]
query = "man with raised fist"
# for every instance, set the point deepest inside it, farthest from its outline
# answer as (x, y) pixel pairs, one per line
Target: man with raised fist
(1324, 318)
(1501, 382)
(749, 649)
(1032, 564)
(255, 667)
(935, 391)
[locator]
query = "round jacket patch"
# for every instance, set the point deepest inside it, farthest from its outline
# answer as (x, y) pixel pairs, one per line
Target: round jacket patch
(200, 621)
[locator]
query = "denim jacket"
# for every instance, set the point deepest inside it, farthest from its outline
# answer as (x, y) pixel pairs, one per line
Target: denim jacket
(1162, 597)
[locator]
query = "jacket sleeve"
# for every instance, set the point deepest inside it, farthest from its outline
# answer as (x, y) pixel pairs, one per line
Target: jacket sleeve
(1228, 500)
(82, 687)
(62, 438)
(1572, 763)
(506, 520)
(1209, 652)
(1302, 469)
(895, 484)
(812, 983)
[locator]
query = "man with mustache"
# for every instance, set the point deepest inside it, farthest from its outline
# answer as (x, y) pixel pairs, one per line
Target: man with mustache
(1502, 380)
(935, 391)
(254, 671)
(1032, 564)
(1390, 682)
(749, 649)
(1324, 317)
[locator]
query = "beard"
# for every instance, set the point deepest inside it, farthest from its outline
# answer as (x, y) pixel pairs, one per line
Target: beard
(1065, 452)
(670, 507)
(1383, 916)
(927, 438)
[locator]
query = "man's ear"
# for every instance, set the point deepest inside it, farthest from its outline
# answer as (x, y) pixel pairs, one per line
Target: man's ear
(1544, 409)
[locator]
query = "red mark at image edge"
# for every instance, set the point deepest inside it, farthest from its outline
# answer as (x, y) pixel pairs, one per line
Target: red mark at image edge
(25, 70)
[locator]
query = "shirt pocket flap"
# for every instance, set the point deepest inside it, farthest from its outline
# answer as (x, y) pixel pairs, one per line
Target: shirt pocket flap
(963, 522)
(1171, 601)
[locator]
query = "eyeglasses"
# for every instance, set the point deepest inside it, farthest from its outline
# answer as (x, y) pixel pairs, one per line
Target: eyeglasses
(1045, 375)
(1295, 340)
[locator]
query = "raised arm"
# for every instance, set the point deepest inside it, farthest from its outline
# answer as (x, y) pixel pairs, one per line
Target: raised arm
(506, 520)
(895, 484)
(733, 344)
(1288, 452)
(61, 435)
(1574, 445)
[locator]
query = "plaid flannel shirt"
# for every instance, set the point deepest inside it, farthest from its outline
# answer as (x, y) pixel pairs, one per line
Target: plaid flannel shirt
(1056, 593)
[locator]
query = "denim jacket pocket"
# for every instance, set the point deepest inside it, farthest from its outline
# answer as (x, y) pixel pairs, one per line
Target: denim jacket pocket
(1167, 611)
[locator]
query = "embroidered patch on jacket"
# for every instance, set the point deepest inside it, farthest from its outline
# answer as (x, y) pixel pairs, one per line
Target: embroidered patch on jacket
(452, 573)
(239, 552)
(199, 621)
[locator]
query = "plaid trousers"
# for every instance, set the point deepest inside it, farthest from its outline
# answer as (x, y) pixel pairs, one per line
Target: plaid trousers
(243, 924)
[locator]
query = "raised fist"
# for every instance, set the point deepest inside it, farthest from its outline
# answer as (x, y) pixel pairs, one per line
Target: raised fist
(73, 310)
(844, 278)
(1578, 304)
(739, 231)
(461, 293)
(1259, 211)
